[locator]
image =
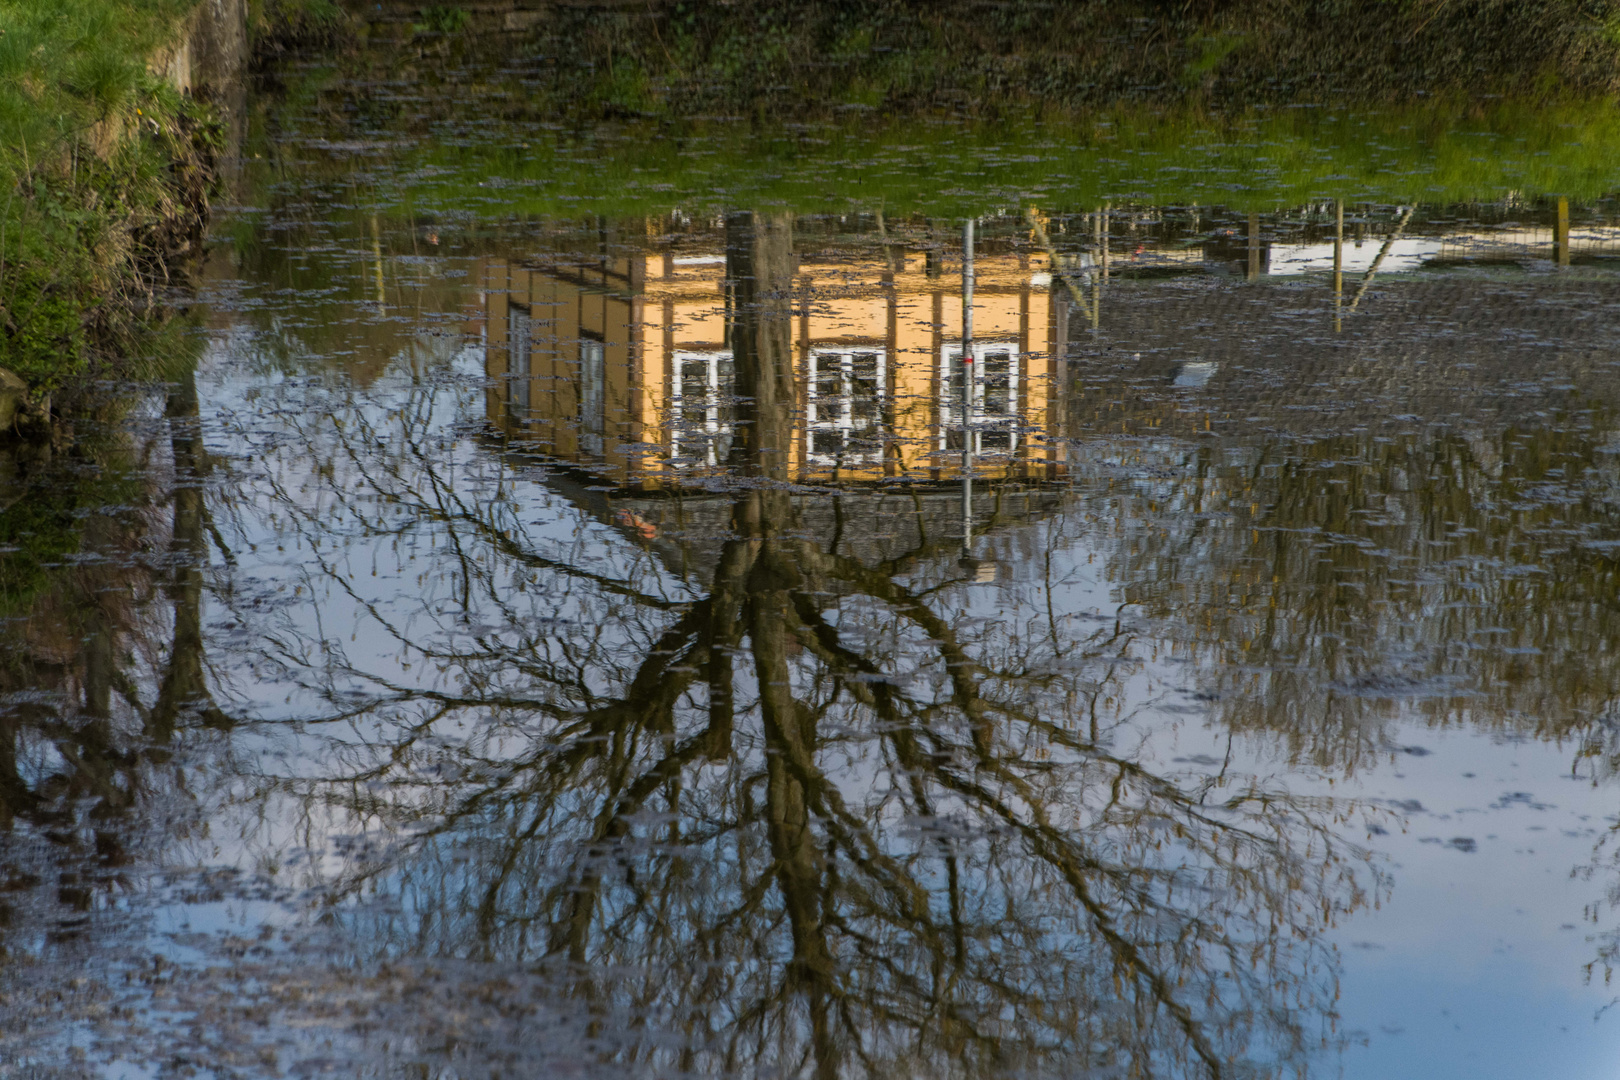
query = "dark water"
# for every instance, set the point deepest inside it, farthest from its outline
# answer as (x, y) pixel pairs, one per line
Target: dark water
(527, 646)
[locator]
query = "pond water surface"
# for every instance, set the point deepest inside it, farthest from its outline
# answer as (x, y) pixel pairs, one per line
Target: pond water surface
(517, 644)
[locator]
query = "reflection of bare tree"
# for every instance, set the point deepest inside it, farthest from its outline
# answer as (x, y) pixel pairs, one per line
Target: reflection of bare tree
(68, 663)
(184, 684)
(1334, 582)
(1599, 756)
(101, 670)
(817, 817)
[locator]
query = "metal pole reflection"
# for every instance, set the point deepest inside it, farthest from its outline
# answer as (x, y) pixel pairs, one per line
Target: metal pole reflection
(967, 387)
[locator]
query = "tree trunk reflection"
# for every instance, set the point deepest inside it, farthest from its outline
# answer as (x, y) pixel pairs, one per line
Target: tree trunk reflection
(813, 815)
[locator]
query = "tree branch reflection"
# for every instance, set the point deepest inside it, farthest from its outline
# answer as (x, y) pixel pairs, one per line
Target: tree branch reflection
(813, 814)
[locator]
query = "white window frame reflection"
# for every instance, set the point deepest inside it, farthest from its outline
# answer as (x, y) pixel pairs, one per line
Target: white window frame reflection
(519, 350)
(700, 430)
(592, 395)
(995, 404)
(836, 413)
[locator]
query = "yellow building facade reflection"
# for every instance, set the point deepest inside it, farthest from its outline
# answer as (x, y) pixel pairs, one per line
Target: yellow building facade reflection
(624, 364)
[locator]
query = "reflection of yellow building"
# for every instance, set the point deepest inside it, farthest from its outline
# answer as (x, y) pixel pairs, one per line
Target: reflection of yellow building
(625, 365)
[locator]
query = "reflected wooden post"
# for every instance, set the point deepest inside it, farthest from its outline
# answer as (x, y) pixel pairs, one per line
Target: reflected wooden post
(1254, 246)
(1102, 237)
(967, 386)
(889, 255)
(377, 265)
(1338, 264)
(1378, 261)
(1061, 276)
(1561, 233)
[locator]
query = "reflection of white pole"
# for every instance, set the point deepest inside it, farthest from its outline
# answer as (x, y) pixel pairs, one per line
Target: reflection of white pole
(967, 386)
(1338, 264)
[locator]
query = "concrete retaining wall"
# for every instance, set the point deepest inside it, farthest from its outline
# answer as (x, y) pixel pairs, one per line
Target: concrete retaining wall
(211, 54)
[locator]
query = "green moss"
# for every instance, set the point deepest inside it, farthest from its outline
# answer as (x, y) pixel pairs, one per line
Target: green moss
(283, 22)
(442, 19)
(42, 531)
(1213, 49)
(624, 89)
(36, 533)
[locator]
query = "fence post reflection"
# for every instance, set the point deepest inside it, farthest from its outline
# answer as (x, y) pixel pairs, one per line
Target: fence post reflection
(1561, 233)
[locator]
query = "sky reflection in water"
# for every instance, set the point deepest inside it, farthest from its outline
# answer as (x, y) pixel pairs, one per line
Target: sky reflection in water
(551, 647)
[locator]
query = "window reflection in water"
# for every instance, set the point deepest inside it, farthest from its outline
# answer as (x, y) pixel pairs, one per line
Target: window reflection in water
(868, 402)
(769, 791)
(702, 398)
(746, 780)
(844, 407)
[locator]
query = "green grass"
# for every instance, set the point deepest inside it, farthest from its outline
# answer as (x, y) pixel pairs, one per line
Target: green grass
(932, 165)
(89, 143)
(66, 65)
(770, 57)
(958, 108)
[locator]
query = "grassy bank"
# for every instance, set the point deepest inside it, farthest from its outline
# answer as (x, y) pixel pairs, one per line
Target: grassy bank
(470, 137)
(104, 170)
(949, 107)
(1254, 161)
(679, 57)
(1222, 54)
